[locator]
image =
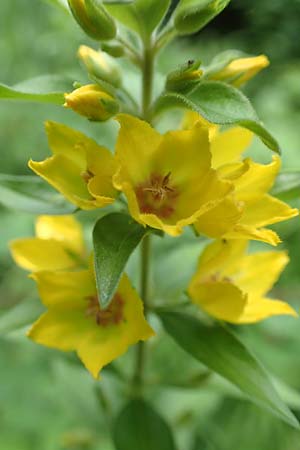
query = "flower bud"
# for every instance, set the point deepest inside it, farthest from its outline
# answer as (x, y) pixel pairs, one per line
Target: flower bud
(184, 78)
(92, 102)
(100, 66)
(239, 71)
(93, 19)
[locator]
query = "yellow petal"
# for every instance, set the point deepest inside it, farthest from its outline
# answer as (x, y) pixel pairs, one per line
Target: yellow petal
(267, 210)
(40, 254)
(221, 300)
(257, 181)
(262, 308)
(61, 329)
(242, 231)
(64, 140)
(221, 257)
(190, 119)
(227, 146)
(221, 219)
(104, 344)
(64, 175)
(234, 170)
(259, 271)
(65, 229)
(137, 141)
(65, 290)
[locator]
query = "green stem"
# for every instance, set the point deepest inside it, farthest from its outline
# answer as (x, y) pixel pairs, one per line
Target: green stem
(147, 86)
(148, 70)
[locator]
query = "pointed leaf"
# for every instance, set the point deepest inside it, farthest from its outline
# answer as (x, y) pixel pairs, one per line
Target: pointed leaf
(32, 194)
(221, 104)
(191, 16)
(140, 427)
(115, 237)
(142, 16)
(42, 89)
(221, 351)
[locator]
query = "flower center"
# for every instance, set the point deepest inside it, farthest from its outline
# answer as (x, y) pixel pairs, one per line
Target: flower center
(87, 175)
(157, 195)
(112, 315)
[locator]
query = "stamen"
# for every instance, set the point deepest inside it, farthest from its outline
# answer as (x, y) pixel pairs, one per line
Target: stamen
(112, 315)
(157, 196)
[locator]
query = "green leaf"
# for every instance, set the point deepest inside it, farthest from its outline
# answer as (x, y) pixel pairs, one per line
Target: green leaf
(140, 427)
(287, 186)
(115, 236)
(62, 4)
(42, 89)
(32, 194)
(221, 104)
(192, 15)
(221, 351)
(141, 16)
(20, 315)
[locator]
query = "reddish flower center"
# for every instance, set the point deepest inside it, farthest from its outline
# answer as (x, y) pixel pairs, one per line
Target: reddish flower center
(157, 196)
(109, 316)
(87, 175)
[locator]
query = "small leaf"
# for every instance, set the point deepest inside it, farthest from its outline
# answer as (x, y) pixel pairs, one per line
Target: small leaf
(192, 15)
(221, 104)
(115, 236)
(42, 89)
(140, 427)
(31, 194)
(222, 352)
(141, 16)
(20, 315)
(287, 186)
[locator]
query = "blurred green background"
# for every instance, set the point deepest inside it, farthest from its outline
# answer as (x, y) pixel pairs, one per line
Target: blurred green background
(47, 401)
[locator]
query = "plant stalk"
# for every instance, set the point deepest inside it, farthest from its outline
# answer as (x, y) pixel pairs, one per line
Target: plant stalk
(147, 87)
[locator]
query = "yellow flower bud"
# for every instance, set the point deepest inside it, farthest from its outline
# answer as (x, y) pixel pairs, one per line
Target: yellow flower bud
(100, 65)
(240, 70)
(184, 78)
(92, 102)
(93, 19)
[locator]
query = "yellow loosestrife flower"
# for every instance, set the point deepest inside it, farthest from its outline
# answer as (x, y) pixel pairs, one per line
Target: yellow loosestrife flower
(241, 70)
(80, 169)
(74, 320)
(250, 208)
(92, 102)
(168, 179)
(58, 245)
(231, 285)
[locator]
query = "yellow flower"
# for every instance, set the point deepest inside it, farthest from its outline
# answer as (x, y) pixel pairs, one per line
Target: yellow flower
(231, 285)
(58, 245)
(93, 102)
(241, 70)
(167, 179)
(74, 320)
(249, 208)
(80, 169)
